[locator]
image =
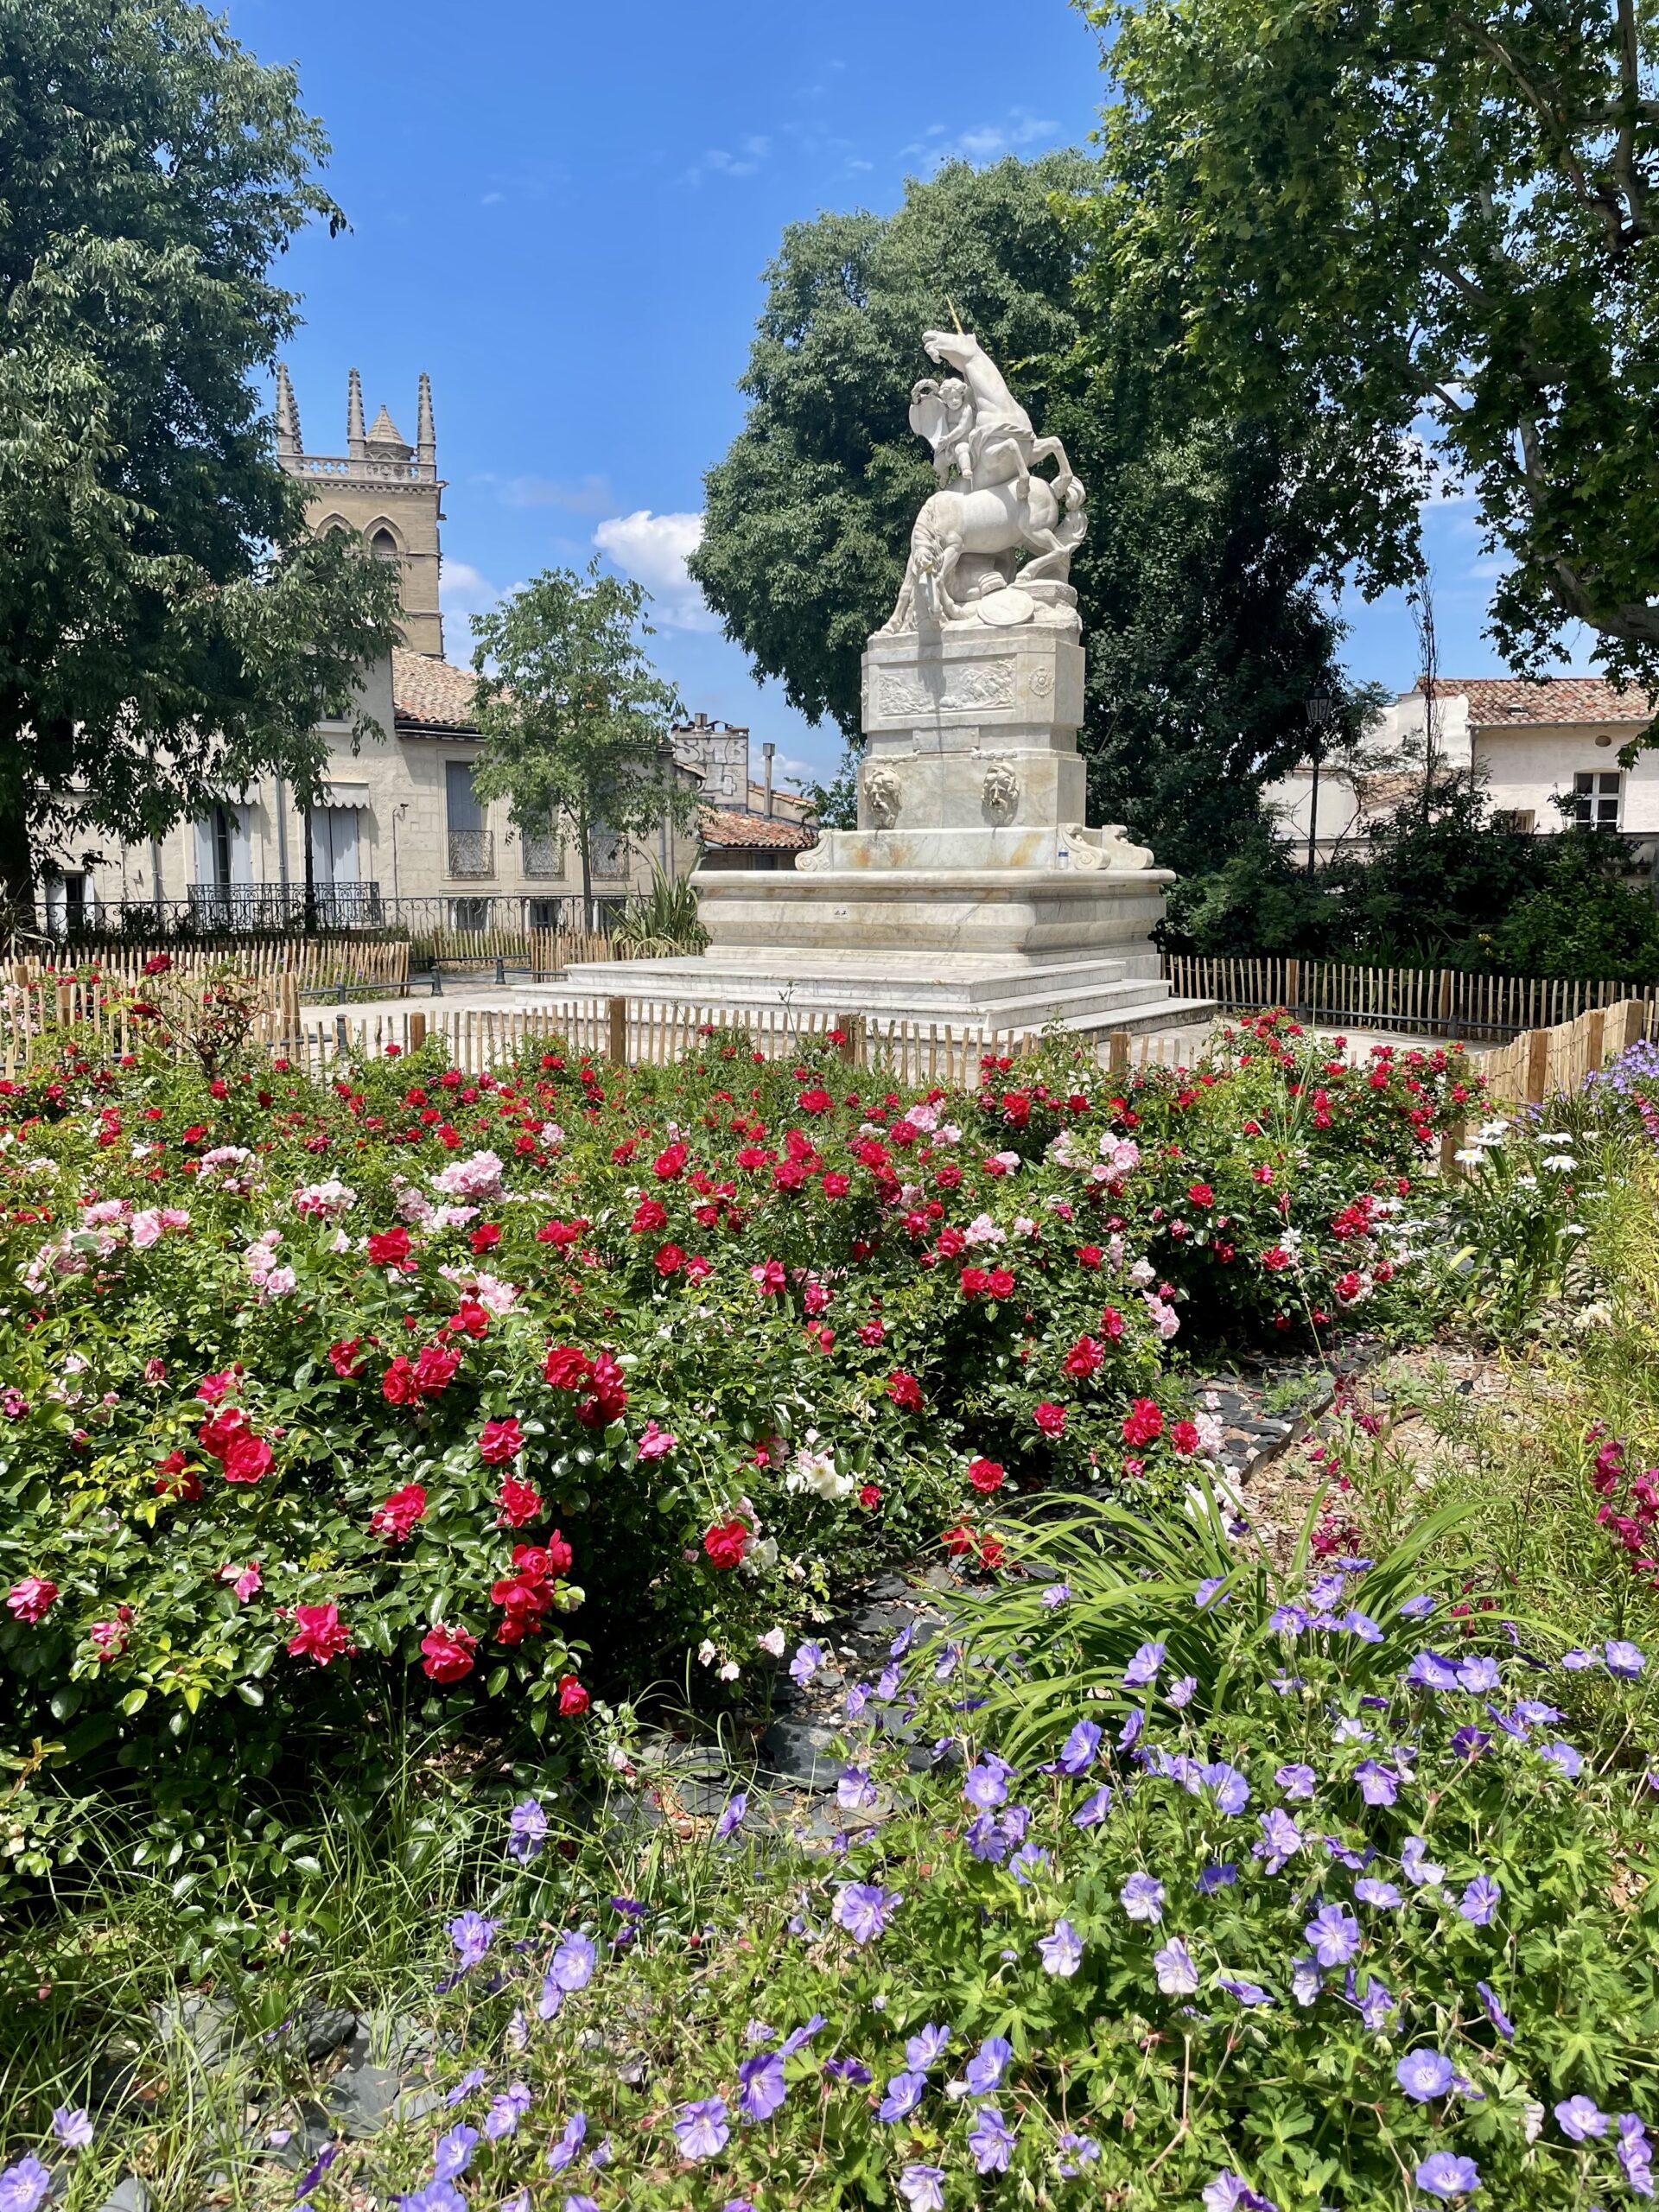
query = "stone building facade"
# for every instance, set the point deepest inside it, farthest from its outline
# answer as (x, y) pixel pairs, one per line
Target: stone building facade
(399, 834)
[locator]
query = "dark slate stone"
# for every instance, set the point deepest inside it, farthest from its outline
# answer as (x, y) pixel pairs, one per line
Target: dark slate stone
(328, 2026)
(799, 1751)
(363, 2100)
(208, 2024)
(128, 2195)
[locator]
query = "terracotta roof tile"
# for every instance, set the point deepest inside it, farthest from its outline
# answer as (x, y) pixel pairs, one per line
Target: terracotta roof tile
(730, 830)
(1553, 702)
(427, 694)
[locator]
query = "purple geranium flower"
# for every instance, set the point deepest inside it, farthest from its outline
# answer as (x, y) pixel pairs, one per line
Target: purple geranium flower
(1424, 2075)
(926, 2048)
(1296, 1782)
(1469, 1742)
(855, 1791)
(1480, 1901)
(1281, 1838)
(1419, 1608)
(474, 2078)
(984, 2070)
(1230, 2192)
(506, 2111)
(73, 2128)
(1385, 1895)
(864, 1909)
(1206, 1590)
(1334, 1935)
(1062, 1951)
(1181, 1692)
(1431, 1671)
(1077, 1752)
(472, 1935)
(905, 2092)
(984, 1786)
(701, 2129)
(1419, 1869)
(1246, 1993)
(1232, 1792)
(1378, 1784)
(922, 2187)
(1624, 1659)
(1219, 1874)
(1306, 1981)
(1377, 2003)
(1495, 2012)
(731, 1815)
(1142, 1897)
(452, 2152)
(436, 2196)
(1445, 2176)
(798, 2039)
(25, 2186)
(1480, 1675)
(1093, 1808)
(526, 1831)
(1579, 2117)
(1636, 2154)
(1565, 1756)
(1058, 1593)
(990, 2141)
(761, 2085)
(1178, 1974)
(1143, 1668)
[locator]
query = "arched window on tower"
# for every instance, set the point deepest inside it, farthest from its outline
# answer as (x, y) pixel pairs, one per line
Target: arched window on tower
(384, 545)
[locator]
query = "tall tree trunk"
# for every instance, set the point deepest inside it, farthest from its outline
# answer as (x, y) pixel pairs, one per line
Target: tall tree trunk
(587, 873)
(16, 868)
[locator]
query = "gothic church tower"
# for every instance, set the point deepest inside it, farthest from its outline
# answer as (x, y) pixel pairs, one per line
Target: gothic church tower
(386, 490)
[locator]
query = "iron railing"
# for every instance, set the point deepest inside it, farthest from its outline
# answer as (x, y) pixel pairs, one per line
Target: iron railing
(472, 853)
(230, 908)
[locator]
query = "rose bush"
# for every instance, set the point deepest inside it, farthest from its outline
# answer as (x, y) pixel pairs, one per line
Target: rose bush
(490, 1383)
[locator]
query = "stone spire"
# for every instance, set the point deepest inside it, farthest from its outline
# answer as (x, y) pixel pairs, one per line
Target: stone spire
(355, 442)
(426, 441)
(287, 416)
(385, 442)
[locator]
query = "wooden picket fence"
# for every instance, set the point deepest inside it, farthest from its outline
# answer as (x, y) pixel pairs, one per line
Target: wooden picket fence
(378, 964)
(1553, 1063)
(1432, 1001)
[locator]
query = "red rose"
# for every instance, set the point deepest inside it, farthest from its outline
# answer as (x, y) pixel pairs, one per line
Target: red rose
(649, 1214)
(485, 1238)
(319, 1633)
(398, 1385)
(957, 1541)
(1143, 1424)
(1085, 1357)
(447, 1653)
(671, 1162)
(1111, 1325)
(246, 1457)
(158, 964)
(670, 1259)
(905, 1390)
(469, 1320)
(520, 1502)
(573, 1698)
(502, 1440)
(991, 1554)
(566, 1368)
(389, 1248)
(1050, 1418)
(835, 1184)
(1275, 1260)
(342, 1357)
(1002, 1282)
(725, 1542)
(1089, 1255)
(214, 1436)
(609, 1400)
(987, 1476)
(394, 1516)
(1184, 1438)
(435, 1369)
(975, 1282)
(1200, 1194)
(815, 1102)
(869, 1497)
(175, 1480)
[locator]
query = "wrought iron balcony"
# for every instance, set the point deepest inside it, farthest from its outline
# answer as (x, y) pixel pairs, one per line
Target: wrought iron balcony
(542, 854)
(283, 906)
(472, 853)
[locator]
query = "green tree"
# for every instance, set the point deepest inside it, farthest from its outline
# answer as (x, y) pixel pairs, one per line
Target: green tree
(575, 718)
(169, 629)
(1205, 633)
(1428, 226)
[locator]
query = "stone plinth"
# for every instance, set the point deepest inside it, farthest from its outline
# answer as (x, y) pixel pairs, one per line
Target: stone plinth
(970, 893)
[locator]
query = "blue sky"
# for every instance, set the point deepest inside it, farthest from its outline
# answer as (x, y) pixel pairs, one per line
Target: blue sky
(563, 211)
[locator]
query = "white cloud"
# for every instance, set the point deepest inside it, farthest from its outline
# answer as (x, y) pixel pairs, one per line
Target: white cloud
(462, 590)
(720, 161)
(653, 550)
(986, 142)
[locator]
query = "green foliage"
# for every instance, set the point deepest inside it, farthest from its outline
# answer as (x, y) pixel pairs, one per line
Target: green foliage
(1206, 637)
(665, 919)
(1261, 899)
(169, 630)
(575, 717)
(1270, 204)
(1581, 919)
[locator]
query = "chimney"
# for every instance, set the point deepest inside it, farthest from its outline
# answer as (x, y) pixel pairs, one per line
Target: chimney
(767, 750)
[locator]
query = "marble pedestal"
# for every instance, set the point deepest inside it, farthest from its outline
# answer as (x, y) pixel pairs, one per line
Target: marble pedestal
(970, 892)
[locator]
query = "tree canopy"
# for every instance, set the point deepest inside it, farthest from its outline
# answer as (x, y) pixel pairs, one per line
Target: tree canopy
(169, 629)
(1427, 229)
(575, 718)
(1204, 629)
